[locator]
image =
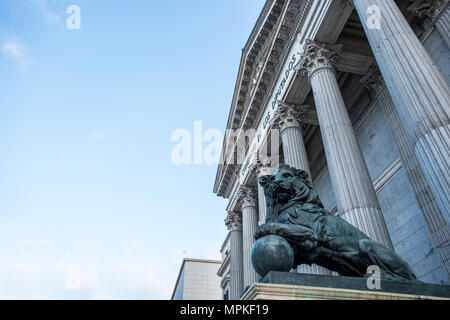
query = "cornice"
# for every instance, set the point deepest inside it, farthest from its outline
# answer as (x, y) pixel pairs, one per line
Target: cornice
(248, 58)
(224, 243)
(225, 281)
(281, 42)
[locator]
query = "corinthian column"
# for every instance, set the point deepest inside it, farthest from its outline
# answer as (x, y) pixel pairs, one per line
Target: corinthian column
(287, 120)
(434, 219)
(353, 187)
(420, 94)
(234, 224)
(248, 198)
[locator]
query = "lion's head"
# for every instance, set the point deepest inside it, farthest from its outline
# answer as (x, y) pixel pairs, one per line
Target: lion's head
(289, 184)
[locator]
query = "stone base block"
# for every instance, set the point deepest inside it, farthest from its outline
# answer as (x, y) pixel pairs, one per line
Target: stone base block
(292, 286)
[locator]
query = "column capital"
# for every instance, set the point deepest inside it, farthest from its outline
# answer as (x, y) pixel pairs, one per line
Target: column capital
(427, 8)
(233, 221)
(317, 56)
(247, 196)
(286, 116)
(261, 166)
(373, 79)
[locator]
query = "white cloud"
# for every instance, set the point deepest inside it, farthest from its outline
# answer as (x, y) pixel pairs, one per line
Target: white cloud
(98, 135)
(43, 8)
(51, 17)
(16, 52)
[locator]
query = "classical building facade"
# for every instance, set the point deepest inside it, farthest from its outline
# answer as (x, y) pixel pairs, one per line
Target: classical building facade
(224, 270)
(355, 93)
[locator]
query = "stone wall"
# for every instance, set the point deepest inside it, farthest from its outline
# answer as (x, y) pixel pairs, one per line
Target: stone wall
(409, 234)
(439, 52)
(201, 281)
(178, 294)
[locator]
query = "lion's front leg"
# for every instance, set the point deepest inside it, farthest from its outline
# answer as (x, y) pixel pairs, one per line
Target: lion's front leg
(266, 229)
(293, 233)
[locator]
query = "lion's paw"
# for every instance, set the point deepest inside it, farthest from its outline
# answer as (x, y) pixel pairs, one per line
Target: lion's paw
(266, 229)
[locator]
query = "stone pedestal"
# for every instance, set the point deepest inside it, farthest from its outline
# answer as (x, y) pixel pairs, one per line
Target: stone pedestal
(291, 286)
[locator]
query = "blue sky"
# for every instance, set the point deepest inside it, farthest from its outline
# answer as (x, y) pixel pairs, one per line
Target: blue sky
(91, 205)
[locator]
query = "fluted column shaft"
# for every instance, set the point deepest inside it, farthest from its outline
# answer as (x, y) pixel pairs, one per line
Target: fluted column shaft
(353, 186)
(236, 269)
(435, 221)
(261, 168)
(294, 148)
(295, 155)
(261, 205)
(248, 198)
(250, 224)
(420, 94)
(287, 120)
(234, 224)
(356, 197)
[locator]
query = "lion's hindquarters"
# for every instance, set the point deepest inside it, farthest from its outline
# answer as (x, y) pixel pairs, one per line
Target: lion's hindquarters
(386, 259)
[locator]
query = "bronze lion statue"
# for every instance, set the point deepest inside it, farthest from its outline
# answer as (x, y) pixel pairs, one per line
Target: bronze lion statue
(295, 213)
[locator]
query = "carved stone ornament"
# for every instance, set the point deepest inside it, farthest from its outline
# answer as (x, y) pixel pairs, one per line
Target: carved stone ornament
(261, 166)
(427, 8)
(258, 71)
(286, 116)
(247, 196)
(317, 55)
(373, 79)
(233, 221)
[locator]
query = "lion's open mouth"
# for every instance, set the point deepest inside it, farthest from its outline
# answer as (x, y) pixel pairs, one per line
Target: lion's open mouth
(283, 192)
